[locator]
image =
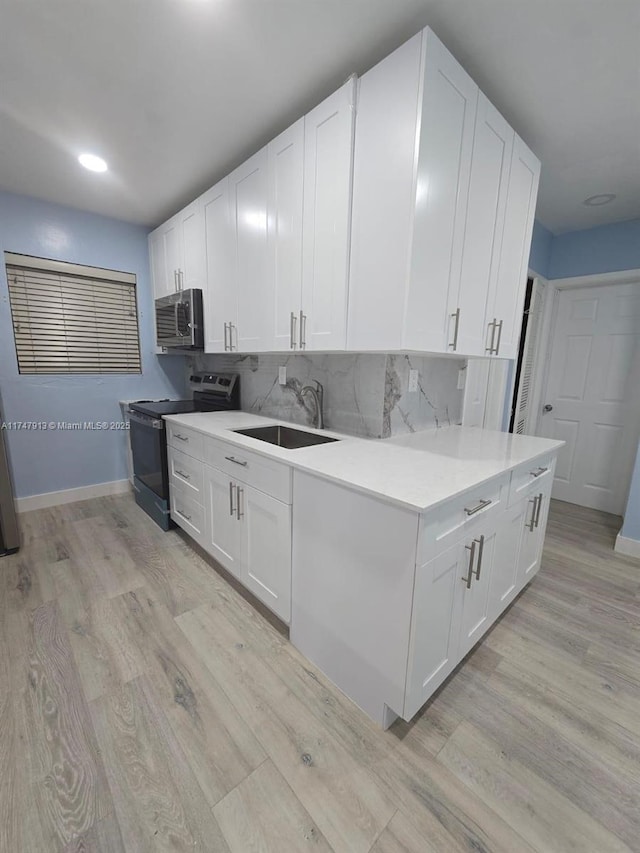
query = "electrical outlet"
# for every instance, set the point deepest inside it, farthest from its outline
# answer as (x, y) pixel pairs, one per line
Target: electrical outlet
(462, 373)
(282, 375)
(413, 381)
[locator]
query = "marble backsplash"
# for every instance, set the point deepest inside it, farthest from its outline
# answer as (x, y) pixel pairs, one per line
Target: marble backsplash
(364, 394)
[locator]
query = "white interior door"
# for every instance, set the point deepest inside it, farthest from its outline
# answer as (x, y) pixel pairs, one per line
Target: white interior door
(592, 400)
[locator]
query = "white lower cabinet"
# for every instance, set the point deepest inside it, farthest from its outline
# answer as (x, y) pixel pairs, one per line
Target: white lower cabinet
(535, 511)
(249, 534)
(451, 611)
(475, 582)
(433, 646)
(240, 515)
(224, 534)
(505, 572)
(387, 621)
(266, 549)
(187, 512)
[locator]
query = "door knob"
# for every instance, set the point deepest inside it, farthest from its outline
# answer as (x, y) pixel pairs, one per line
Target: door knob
(548, 408)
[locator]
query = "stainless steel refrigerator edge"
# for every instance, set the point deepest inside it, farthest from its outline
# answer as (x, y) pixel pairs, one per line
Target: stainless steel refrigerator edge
(9, 533)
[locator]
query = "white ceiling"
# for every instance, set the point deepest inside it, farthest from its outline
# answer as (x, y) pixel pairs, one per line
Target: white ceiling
(174, 93)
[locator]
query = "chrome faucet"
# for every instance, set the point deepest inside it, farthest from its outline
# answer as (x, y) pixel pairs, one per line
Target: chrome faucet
(317, 395)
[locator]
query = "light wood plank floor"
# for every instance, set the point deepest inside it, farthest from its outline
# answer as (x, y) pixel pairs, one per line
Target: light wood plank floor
(145, 705)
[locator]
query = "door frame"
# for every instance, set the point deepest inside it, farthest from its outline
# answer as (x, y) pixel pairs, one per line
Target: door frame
(549, 320)
(554, 287)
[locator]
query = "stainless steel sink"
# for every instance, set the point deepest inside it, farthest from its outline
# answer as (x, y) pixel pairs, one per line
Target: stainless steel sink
(286, 437)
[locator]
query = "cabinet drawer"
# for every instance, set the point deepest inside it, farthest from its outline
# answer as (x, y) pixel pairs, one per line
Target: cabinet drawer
(266, 475)
(186, 473)
(530, 478)
(185, 439)
(187, 513)
(442, 527)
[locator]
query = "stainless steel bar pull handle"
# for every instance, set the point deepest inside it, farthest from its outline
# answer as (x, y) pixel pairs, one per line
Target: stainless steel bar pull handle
(540, 496)
(538, 472)
(182, 474)
(456, 317)
(180, 437)
(231, 344)
(231, 506)
(237, 461)
(176, 284)
(531, 524)
(184, 515)
(226, 345)
(303, 330)
(491, 326)
(474, 509)
(472, 554)
(292, 330)
(497, 349)
(480, 542)
(240, 502)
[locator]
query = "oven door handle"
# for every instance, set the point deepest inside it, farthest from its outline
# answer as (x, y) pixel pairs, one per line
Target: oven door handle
(154, 423)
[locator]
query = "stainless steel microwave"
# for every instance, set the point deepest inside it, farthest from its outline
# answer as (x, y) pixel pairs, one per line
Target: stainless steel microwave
(179, 320)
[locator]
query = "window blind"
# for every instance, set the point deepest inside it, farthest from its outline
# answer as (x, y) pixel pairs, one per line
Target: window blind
(72, 319)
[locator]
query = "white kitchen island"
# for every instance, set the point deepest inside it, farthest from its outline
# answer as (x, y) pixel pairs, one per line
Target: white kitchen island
(389, 559)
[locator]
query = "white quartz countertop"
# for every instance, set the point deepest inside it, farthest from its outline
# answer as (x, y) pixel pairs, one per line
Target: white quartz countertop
(418, 470)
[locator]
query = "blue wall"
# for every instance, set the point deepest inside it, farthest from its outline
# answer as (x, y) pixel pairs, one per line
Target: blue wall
(596, 250)
(44, 461)
(608, 248)
(541, 243)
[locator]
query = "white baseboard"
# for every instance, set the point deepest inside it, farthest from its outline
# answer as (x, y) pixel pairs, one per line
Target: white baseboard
(67, 496)
(626, 546)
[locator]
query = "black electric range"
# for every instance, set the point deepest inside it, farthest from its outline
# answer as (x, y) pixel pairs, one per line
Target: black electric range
(212, 392)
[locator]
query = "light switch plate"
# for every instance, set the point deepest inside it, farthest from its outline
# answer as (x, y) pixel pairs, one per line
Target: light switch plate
(282, 375)
(413, 381)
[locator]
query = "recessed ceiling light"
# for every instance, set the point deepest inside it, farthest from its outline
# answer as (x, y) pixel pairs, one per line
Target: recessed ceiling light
(93, 162)
(598, 200)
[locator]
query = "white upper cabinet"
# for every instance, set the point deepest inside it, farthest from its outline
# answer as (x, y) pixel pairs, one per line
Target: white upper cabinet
(220, 294)
(506, 295)
(490, 165)
(328, 166)
(442, 211)
(448, 112)
(414, 141)
(176, 251)
(193, 266)
(285, 163)
(158, 261)
(383, 198)
(248, 192)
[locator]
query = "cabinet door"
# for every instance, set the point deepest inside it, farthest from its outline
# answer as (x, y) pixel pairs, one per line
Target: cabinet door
(383, 188)
(266, 549)
(328, 165)
(248, 188)
(192, 271)
(533, 530)
(219, 295)
(504, 576)
(505, 302)
(172, 232)
(435, 626)
(448, 114)
(158, 262)
(223, 530)
(490, 163)
(285, 164)
(475, 617)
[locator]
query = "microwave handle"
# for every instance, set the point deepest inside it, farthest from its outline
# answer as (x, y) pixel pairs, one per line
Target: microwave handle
(176, 307)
